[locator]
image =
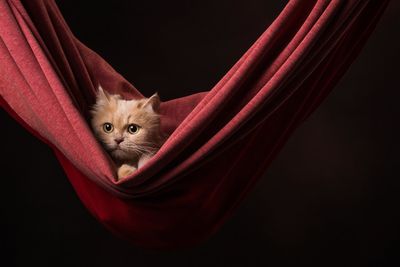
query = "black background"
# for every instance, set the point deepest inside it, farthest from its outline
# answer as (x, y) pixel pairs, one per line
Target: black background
(331, 198)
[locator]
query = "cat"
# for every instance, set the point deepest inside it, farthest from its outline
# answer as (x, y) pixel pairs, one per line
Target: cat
(128, 129)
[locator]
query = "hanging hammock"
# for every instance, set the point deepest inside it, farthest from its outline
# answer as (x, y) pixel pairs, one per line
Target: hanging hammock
(221, 141)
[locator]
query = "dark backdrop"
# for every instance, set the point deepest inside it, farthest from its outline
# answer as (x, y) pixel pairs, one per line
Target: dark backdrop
(329, 199)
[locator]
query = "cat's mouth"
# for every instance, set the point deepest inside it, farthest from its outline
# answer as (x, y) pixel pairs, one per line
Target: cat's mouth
(118, 152)
(117, 148)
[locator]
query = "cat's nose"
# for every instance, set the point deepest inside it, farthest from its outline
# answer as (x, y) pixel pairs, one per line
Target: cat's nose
(119, 140)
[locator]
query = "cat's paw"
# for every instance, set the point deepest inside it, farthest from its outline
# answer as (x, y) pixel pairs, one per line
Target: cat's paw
(125, 170)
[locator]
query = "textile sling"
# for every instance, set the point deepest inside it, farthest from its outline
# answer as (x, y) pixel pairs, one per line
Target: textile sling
(220, 142)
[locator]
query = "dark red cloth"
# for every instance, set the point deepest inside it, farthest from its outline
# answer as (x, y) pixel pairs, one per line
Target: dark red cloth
(221, 141)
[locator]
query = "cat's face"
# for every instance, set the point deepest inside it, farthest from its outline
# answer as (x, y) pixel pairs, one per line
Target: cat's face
(126, 128)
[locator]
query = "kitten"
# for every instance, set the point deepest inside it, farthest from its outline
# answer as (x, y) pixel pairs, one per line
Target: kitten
(128, 129)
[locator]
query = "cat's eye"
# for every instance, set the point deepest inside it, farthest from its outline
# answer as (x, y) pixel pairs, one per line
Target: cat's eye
(108, 127)
(133, 128)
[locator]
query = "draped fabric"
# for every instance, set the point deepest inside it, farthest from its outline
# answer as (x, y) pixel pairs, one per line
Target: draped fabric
(220, 142)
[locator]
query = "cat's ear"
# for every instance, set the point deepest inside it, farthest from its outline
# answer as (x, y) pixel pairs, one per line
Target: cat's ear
(152, 103)
(102, 94)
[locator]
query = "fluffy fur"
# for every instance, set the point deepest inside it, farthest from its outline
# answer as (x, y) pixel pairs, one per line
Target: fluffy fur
(128, 129)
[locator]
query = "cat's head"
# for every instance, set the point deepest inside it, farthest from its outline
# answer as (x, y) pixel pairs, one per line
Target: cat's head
(126, 128)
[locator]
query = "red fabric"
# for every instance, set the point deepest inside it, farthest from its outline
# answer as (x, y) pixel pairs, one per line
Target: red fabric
(221, 141)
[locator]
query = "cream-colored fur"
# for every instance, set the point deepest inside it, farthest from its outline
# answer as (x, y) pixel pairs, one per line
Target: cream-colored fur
(130, 150)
